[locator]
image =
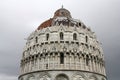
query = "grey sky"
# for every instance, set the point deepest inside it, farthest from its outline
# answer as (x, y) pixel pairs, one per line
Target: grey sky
(18, 18)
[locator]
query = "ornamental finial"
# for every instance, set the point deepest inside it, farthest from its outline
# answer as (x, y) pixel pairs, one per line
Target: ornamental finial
(62, 6)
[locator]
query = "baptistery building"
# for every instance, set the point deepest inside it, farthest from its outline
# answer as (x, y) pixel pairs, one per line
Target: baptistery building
(62, 48)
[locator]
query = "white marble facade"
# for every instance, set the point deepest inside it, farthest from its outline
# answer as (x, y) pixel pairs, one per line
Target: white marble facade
(63, 49)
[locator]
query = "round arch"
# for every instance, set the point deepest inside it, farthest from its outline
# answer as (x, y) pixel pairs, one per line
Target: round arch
(61, 77)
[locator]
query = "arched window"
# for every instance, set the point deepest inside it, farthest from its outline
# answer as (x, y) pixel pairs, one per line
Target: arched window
(61, 36)
(79, 24)
(74, 36)
(36, 39)
(87, 60)
(46, 66)
(61, 58)
(47, 37)
(62, 77)
(86, 39)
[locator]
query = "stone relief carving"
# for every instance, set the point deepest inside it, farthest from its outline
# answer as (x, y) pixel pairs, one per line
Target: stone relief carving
(93, 78)
(45, 77)
(31, 78)
(53, 48)
(78, 77)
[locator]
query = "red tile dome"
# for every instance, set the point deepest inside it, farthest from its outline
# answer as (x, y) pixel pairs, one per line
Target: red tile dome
(62, 12)
(45, 24)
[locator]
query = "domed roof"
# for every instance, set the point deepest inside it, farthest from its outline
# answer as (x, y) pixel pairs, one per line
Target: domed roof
(45, 24)
(62, 12)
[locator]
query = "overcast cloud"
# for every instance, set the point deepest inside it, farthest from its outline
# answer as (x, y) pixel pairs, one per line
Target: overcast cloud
(18, 18)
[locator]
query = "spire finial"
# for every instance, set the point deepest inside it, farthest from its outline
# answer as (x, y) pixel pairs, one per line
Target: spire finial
(62, 6)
